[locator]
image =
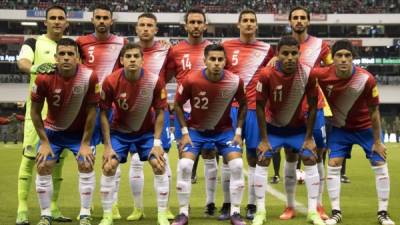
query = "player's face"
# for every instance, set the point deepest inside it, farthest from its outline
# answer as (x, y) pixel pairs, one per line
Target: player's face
(56, 21)
(299, 21)
(66, 58)
(288, 56)
(195, 25)
(248, 24)
(146, 29)
(215, 62)
(102, 21)
(343, 60)
(132, 60)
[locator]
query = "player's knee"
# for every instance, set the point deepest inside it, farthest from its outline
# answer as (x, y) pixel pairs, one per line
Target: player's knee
(264, 162)
(186, 166)
(291, 156)
(251, 160)
(335, 162)
(110, 168)
(84, 167)
(158, 169)
(44, 170)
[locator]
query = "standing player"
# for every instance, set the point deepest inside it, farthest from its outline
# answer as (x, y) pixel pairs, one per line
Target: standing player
(135, 92)
(353, 96)
(210, 92)
(33, 53)
(72, 93)
(280, 91)
(185, 57)
(245, 56)
(155, 58)
(314, 53)
(100, 52)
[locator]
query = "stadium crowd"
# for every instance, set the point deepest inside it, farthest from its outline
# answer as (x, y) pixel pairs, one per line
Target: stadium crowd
(216, 6)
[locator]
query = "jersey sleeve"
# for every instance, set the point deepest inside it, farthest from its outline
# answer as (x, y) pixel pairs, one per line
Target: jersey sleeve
(28, 50)
(171, 65)
(240, 95)
(261, 88)
(371, 92)
(183, 92)
(106, 95)
(160, 95)
(39, 89)
(93, 94)
(312, 88)
(326, 54)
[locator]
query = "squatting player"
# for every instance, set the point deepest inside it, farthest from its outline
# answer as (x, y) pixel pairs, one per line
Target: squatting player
(155, 60)
(353, 96)
(35, 52)
(185, 57)
(72, 93)
(136, 93)
(210, 92)
(280, 91)
(245, 56)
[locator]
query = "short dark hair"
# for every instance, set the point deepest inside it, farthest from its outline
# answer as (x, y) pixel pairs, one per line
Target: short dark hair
(148, 15)
(289, 41)
(195, 10)
(67, 42)
(129, 46)
(300, 8)
(247, 11)
(55, 7)
(103, 7)
(213, 47)
(344, 44)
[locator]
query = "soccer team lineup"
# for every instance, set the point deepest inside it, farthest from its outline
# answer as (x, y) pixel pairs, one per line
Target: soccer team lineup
(238, 105)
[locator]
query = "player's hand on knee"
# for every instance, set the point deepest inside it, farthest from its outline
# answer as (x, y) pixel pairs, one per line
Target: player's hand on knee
(157, 153)
(309, 144)
(185, 140)
(86, 154)
(380, 149)
(108, 155)
(263, 147)
(43, 153)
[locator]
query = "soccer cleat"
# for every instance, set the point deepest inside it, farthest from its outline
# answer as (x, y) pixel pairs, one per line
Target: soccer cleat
(383, 218)
(288, 214)
(22, 218)
(115, 212)
(44, 220)
(236, 219)
(250, 211)
(78, 217)
(58, 217)
(225, 212)
(85, 220)
(335, 218)
(210, 210)
(170, 215)
(181, 219)
(344, 179)
(275, 179)
(137, 214)
(162, 218)
(107, 219)
(259, 218)
(321, 212)
(314, 218)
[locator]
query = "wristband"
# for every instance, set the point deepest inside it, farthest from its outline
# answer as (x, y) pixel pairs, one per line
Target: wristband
(184, 130)
(238, 131)
(157, 142)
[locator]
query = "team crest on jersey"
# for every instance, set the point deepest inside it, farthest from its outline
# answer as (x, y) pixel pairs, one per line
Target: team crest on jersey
(257, 54)
(77, 90)
(225, 93)
(202, 93)
(57, 91)
(123, 95)
(329, 89)
(144, 93)
(102, 95)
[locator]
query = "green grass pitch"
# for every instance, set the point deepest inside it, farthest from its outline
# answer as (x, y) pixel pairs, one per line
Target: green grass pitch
(358, 200)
